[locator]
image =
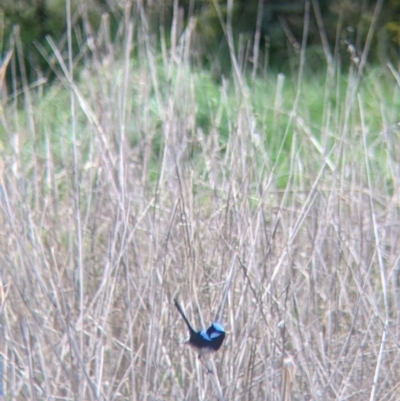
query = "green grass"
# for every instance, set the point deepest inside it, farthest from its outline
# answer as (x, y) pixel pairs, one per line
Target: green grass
(202, 104)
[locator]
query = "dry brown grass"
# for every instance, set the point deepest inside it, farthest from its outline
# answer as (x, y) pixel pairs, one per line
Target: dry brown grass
(109, 212)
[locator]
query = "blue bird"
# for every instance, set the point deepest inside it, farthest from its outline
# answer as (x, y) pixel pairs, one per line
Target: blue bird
(204, 341)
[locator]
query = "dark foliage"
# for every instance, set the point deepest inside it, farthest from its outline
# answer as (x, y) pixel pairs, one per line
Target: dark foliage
(278, 25)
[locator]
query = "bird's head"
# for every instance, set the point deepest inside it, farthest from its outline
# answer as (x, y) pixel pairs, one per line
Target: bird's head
(216, 330)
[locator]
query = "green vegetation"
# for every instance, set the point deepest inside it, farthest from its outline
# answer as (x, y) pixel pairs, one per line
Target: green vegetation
(274, 28)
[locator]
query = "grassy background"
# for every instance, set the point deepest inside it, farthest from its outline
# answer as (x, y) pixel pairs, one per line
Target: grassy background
(269, 203)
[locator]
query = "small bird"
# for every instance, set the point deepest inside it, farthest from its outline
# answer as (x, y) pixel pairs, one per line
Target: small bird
(204, 341)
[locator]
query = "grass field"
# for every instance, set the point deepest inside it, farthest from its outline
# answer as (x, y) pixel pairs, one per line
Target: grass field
(268, 203)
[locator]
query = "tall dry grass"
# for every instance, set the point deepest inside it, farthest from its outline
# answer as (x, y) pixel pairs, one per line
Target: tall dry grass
(114, 200)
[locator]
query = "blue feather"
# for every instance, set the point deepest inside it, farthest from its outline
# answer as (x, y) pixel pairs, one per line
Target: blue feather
(204, 335)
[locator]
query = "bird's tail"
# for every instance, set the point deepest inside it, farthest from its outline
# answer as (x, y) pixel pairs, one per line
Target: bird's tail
(180, 310)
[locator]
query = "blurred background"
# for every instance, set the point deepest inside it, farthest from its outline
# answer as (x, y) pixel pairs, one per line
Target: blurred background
(276, 26)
